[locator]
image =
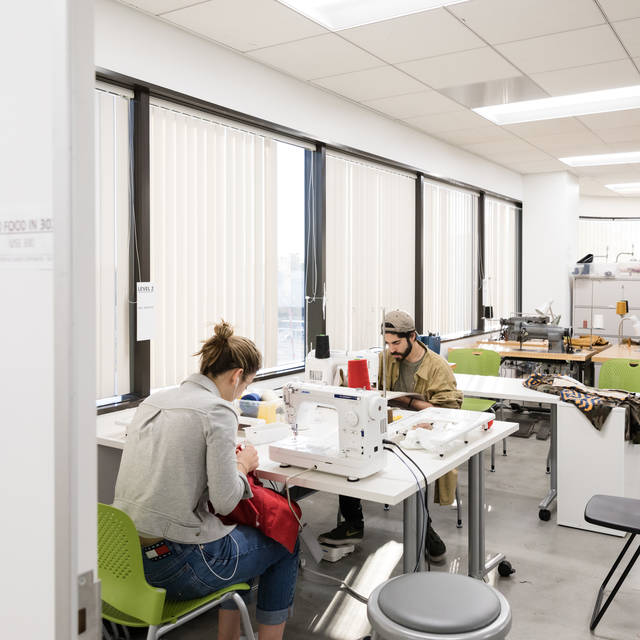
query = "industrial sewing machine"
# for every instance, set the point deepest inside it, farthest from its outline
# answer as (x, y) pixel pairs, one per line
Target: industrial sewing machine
(523, 328)
(332, 370)
(362, 423)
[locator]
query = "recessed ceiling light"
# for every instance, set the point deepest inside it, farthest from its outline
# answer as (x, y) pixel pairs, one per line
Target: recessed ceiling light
(629, 157)
(578, 104)
(626, 188)
(344, 14)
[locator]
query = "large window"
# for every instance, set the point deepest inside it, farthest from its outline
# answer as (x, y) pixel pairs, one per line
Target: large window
(227, 239)
(370, 249)
(500, 264)
(112, 182)
(450, 248)
(608, 238)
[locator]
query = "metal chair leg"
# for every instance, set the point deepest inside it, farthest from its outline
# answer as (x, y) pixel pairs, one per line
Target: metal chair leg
(599, 612)
(152, 633)
(245, 620)
(458, 509)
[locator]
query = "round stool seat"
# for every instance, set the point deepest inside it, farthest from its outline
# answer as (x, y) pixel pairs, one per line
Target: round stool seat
(438, 605)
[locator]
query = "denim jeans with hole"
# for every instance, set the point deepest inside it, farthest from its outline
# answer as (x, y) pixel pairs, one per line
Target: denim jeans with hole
(190, 571)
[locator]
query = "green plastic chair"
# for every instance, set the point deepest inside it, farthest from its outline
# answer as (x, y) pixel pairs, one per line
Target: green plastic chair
(479, 362)
(128, 599)
(620, 373)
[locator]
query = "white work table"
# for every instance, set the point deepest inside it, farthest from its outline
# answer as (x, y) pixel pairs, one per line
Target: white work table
(392, 485)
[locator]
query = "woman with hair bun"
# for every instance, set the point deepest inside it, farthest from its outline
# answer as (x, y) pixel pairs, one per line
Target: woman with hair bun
(181, 454)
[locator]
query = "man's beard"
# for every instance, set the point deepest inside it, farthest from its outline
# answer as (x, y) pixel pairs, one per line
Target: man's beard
(404, 354)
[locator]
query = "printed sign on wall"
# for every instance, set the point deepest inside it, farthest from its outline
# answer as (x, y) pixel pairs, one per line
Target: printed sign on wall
(145, 305)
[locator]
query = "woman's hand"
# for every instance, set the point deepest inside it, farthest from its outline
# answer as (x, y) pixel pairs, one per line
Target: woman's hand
(247, 458)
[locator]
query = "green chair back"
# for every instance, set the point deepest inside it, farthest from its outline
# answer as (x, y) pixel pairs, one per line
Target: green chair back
(620, 373)
(481, 362)
(120, 569)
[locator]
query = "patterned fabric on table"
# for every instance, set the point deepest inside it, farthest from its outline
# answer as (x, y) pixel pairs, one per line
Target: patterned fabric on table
(595, 404)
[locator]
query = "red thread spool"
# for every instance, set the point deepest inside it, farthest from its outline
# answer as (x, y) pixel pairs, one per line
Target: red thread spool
(358, 374)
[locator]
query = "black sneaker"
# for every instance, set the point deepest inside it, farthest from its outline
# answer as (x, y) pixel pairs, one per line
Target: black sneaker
(344, 533)
(435, 546)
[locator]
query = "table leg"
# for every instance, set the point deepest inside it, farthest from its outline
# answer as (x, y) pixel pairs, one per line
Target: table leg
(409, 531)
(544, 512)
(475, 510)
(420, 523)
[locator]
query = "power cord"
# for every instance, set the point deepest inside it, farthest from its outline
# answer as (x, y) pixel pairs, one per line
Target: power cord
(343, 585)
(420, 547)
(426, 492)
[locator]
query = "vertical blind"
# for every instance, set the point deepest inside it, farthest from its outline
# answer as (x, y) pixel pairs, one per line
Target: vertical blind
(213, 237)
(500, 258)
(370, 249)
(450, 249)
(112, 181)
(607, 238)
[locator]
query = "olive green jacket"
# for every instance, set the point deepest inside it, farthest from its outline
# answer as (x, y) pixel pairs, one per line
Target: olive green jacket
(434, 380)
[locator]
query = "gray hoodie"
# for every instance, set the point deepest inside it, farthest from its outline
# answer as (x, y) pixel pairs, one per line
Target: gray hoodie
(179, 453)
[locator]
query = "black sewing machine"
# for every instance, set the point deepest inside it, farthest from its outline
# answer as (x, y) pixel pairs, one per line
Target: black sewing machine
(523, 328)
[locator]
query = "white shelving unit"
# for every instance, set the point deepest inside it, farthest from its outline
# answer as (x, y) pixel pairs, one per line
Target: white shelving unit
(594, 303)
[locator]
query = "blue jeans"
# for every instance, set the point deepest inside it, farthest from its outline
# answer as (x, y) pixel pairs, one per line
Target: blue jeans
(190, 571)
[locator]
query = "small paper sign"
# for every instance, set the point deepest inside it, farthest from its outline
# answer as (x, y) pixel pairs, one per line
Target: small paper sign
(145, 305)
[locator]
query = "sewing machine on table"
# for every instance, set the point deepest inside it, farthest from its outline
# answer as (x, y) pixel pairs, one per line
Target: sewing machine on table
(447, 427)
(524, 328)
(362, 423)
(332, 370)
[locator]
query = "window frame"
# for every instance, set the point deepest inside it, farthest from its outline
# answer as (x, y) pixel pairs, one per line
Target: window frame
(315, 218)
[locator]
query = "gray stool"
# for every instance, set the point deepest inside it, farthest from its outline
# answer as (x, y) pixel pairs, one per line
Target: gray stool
(435, 606)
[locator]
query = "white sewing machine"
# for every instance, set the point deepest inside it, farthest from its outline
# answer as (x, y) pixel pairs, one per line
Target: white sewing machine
(327, 370)
(447, 427)
(362, 423)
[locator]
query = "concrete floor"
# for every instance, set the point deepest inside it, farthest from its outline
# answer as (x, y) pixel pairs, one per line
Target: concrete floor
(558, 570)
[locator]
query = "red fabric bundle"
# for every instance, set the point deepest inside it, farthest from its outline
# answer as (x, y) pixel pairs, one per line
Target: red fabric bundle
(267, 511)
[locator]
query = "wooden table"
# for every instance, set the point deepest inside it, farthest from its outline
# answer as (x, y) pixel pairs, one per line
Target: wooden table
(618, 351)
(537, 350)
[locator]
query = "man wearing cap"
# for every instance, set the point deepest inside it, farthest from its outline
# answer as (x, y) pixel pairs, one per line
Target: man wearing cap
(412, 368)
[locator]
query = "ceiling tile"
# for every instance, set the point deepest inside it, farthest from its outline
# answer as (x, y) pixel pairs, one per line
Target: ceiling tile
(443, 122)
(245, 24)
(316, 57)
(466, 67)
(621, 134)
(419, 35)
(570, 144)
(461, 137)
(508, 20)
(501, 147)
(512, 157)
(591, 187)
(629, 32)
(620, 9)
(539, 166)
(414, 104)
(371, 84)
(618, 173)
(564, 50)
(613, 120)
(547, 127)
(593, 77)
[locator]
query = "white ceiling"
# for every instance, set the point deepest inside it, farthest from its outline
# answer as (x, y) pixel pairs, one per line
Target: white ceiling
(406, 68)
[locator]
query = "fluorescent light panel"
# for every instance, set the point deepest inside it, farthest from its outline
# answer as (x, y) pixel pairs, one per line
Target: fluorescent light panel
(629, 157)
(578, 104)
(626, 188)
(344, 14)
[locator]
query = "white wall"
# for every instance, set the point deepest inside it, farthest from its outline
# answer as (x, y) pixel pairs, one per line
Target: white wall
(145, 48)
(609, 207)
(47, 364)
(549, 240)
